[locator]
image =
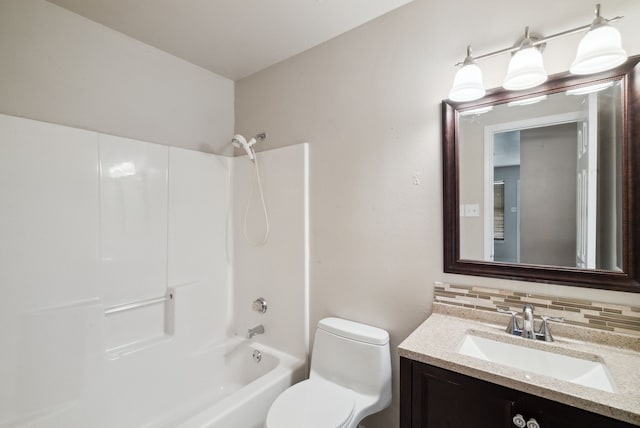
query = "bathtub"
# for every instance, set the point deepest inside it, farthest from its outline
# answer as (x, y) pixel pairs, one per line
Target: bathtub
(223, 385)
(253, 375)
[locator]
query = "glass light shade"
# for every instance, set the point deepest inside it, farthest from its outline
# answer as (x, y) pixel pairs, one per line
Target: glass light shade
(589, 89)
(527, 101)
(476, 111)
(599, 50)
(525, 70)
(467, 85)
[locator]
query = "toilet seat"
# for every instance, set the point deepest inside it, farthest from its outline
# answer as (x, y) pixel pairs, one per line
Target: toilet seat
(313, 403)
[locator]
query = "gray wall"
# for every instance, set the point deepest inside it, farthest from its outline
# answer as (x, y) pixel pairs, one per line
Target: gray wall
(548, 195)
(59, 67)
(368, 102)
(471, 159)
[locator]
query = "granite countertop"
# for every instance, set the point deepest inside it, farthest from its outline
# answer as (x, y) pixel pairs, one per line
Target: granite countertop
(437, 340)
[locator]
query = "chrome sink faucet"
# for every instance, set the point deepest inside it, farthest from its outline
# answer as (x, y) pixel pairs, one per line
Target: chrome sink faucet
(527, 322)
(527, 328)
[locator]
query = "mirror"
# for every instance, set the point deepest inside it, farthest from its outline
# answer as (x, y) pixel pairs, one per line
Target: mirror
(541, 185)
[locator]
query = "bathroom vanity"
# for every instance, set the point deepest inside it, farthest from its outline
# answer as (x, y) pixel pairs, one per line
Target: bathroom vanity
(447, 382)
(443, 398)
(461, 368)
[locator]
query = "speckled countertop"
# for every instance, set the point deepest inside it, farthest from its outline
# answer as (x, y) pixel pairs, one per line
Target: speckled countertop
(437, 340)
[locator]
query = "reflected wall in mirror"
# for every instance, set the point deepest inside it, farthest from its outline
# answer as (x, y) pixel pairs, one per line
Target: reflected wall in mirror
(550, 184)
(542, 185)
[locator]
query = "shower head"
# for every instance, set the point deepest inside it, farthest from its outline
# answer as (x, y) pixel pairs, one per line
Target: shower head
(240, 142)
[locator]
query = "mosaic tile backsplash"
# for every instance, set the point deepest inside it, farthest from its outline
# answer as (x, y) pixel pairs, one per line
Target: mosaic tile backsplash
(603, 316)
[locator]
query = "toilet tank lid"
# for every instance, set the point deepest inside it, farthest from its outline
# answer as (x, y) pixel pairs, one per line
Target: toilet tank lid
(354, 330)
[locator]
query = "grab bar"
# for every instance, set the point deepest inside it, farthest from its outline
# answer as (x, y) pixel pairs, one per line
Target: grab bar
(139, 304)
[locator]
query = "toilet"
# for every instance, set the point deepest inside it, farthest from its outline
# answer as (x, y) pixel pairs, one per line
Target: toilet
(350, 378)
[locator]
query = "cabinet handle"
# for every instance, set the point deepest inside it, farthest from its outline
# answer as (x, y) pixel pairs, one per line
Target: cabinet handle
(532, 423)
(519, 421)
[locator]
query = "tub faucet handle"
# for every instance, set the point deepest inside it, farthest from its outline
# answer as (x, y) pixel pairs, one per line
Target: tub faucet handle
(260, 305)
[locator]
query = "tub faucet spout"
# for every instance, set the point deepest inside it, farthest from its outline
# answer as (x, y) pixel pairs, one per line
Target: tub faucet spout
(259, 329)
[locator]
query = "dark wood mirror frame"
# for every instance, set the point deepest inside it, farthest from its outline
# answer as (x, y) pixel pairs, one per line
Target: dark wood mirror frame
(629, 279)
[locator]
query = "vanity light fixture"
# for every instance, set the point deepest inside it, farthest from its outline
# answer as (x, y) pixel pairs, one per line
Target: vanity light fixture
(467, 85)
(526, 69)
(599, 50)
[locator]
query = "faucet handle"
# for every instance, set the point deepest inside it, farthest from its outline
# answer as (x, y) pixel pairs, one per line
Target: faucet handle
(544, 327)
(513, 324)
(259, 305)
(546, 318)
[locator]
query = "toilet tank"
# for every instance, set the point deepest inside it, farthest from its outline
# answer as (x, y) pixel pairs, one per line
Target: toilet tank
(353, 355)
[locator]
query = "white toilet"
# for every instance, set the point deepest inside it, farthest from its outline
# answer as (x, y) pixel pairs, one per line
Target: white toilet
(350, 378)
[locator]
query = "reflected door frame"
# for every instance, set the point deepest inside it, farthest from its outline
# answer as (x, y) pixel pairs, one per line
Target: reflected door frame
(587, 183)
(489, 143)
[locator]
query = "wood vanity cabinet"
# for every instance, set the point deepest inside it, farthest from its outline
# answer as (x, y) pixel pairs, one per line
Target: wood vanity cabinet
(431, 397)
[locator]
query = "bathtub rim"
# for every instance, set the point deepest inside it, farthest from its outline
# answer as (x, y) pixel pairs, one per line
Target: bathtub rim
(288, 371)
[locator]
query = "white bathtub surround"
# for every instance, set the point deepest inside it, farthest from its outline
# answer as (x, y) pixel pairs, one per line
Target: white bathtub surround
(132, 243)
(199, 251)
(90, 223)
(279, 269)
(48, 249)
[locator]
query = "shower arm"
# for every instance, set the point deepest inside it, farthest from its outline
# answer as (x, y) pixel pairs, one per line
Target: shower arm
(259, 137)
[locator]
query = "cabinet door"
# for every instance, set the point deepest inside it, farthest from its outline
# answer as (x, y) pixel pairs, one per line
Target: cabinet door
(550, 414)
(444, 399)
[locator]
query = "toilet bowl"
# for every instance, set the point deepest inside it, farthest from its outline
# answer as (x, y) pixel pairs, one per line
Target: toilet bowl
(350, 378)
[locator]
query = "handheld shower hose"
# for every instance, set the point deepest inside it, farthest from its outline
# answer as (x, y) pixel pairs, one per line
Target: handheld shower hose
(240, 142)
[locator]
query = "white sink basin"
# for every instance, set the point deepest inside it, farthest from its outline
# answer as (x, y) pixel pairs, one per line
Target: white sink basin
(585, 372)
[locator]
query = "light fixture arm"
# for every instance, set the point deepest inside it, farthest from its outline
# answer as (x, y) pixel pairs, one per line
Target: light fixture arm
(527, 39)
(598, 21)
(468, 59)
